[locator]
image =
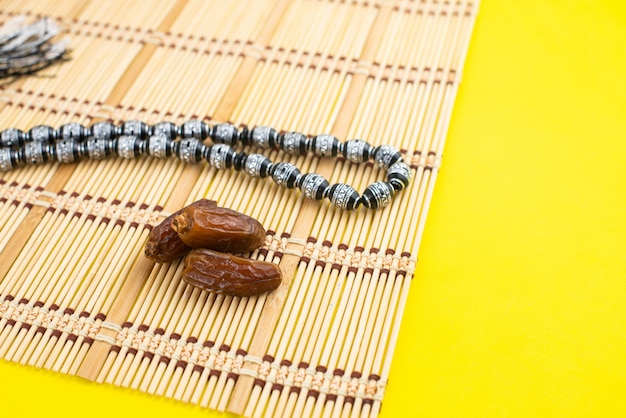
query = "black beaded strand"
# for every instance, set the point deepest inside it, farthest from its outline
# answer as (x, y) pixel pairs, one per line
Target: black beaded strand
(131, 139)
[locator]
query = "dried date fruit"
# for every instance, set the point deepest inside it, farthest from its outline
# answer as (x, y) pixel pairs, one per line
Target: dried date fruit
(164, 244)
(219, 229)
(225, 273)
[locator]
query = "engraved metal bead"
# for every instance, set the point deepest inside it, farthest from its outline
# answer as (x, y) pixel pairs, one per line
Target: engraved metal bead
(386, 155)
(194, 128)
(6, 163)
(343, 196)
(74, 131)
(98, 149)
(42, 133)
(104, 130)
(399, 175)
(169, 129)
(356, 150)
(67, 151)
(325, 145)
(130, 146)
(313, 186)
(285, 174)
(294, 143)
(35, 153)
(221, 156)
(377, 195)
(264, 137)
(159, 146)
(225, 133)
(257, 165)
(12, 138)
(136, 128)
(190, 150)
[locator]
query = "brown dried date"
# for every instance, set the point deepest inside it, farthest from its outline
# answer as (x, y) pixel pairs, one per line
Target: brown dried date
(224, 273)
(164, 244)
(219, 229)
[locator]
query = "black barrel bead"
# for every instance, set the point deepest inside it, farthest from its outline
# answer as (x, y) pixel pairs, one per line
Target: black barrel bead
(104, 130)
(257, 165)
(325, 145)
(399, 175)
(377, 195)
(74, 131)
(42, 133)
(221, 156)
(136, 128)
(285, 174)
(169, 129)
(386, 155)
(313, 186)
(194, 128)
(239, 160)
(264, 137)
(160, 146)
(356, 150)
(293, 143)
(343, 196)
(245, 136)
(225, 133)
(12, 138)
(190, 150)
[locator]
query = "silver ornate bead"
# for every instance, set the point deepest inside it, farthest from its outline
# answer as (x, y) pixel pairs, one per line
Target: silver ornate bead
(169, 129)
(285, 174)
(12, 137)
(219, 156)
(135, 128)
(194, 128)
(66, 151)
(190, 150)
(225, 133)
(159, 146)
(74, 131)
(356, 150)
(399, 175)
(377, 195)
(325, 145)
(386, 155)
(343, 196)
(313, 186)
(257, 165)
(42, 133)
(294, 143)
(97, 148)
(34, 153)
(263, 136)
(104, 130)
(129, 146)
(5, 159)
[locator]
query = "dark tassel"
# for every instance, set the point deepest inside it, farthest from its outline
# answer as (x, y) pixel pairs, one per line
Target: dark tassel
(26, 48)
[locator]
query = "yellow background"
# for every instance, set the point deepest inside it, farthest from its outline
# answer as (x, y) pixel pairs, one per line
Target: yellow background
(517, 307)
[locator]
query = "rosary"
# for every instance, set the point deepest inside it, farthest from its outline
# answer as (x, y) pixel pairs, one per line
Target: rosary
(131, 139)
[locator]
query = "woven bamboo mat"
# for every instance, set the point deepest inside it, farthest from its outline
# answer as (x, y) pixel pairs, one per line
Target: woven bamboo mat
(76, 294)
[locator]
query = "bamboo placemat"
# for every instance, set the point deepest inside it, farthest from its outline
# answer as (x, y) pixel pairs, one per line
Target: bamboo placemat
(77, 294)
